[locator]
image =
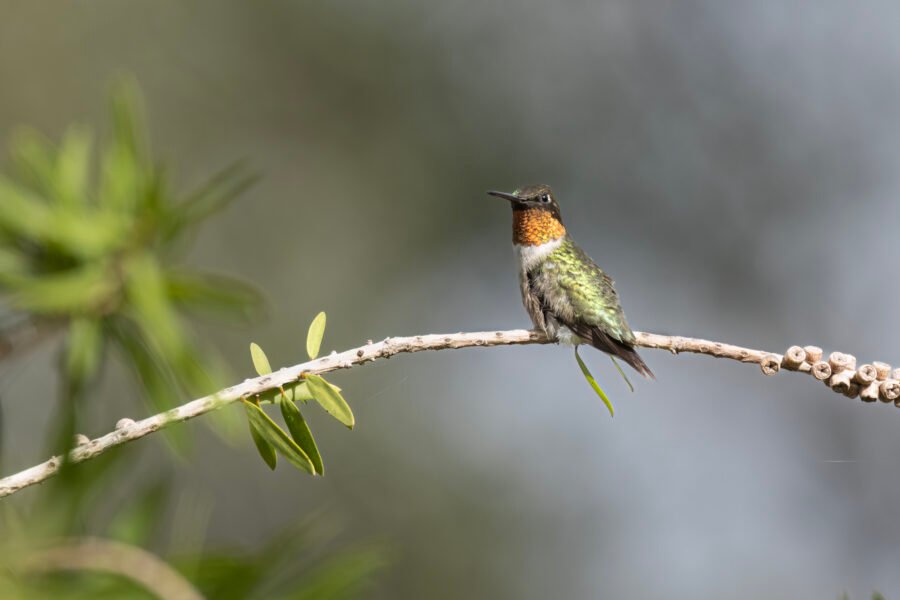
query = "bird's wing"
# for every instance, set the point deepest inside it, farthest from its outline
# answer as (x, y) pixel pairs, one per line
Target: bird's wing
(579, 295)
(532, 300)
(589, 294)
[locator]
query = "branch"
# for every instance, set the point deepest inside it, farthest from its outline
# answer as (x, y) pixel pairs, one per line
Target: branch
(131, 562)
(870, 382)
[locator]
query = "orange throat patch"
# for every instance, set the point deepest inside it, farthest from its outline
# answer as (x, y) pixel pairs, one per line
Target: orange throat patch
(534, 226)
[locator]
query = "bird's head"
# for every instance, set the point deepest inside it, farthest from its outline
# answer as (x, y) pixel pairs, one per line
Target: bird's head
(536, 217)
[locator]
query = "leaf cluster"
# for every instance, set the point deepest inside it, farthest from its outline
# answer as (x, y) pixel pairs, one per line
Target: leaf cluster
(297, 444)
(88, 241)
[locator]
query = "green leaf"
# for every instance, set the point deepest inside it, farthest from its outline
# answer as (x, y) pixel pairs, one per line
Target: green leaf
(146, 291)
(331, 400)
(278, 439)
(300, 432)
(202, 291)
(159, 323)
(301, 392)
(314, 335)
(22, 212)
(128, 116)
(215, 195)
(260, 361)
(593, 382)
(84, 348)
(265, 449)
(622, 373)
(123, 172)
(80, 232)
(74, 291)
(88, 233)
(33, 156)
(73, 167)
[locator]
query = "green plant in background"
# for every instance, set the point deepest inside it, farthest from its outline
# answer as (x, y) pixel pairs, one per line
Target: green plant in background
(299, 448)
(91, 251)
(305, 560)
(89, 243)
(88, 247)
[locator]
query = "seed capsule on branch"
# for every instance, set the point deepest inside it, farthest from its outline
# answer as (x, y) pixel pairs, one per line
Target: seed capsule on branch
(870, 393)
(821, 370)
(813, 354)
(889, 390)
(841, 362)
(793, 358)
(770, 364)
(865, 375)
(882, 370)
(841, 381)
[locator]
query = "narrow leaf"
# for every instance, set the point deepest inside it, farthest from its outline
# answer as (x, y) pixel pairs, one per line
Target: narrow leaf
(302, 393)
(331, 400)
(73, 291)
(23, 213)
(260, 361)
(204, 292)
(123, 169)
(278, 438)
(265, 449)
(314, 335)
(72, 167)
(147, 295)
(301, 433)
(212, 197)
(622, 373)
(593, 383)
(84, 349)
(34, 157)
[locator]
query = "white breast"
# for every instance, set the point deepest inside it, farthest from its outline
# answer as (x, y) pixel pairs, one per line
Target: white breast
(531, 256)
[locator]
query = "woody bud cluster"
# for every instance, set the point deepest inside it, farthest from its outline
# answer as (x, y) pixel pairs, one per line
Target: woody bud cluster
(869, 382)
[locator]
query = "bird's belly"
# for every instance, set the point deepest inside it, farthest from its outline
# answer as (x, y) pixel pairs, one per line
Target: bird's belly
(566, 336)
(561, 333)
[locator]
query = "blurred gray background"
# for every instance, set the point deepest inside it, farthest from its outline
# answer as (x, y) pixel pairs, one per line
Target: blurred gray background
(732, 165)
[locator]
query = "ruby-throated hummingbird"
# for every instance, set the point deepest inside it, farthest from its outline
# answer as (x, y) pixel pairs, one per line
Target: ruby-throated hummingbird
(566, 294)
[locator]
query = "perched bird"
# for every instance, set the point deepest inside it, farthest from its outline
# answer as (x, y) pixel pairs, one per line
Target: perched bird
(566, 294)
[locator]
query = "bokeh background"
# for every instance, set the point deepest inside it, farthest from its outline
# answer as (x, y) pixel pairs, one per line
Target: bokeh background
(732, 165)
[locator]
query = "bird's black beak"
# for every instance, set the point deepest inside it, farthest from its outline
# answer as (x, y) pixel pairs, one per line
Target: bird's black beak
(505, 196)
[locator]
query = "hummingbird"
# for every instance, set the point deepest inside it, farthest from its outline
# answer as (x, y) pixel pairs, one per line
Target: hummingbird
(565, 293)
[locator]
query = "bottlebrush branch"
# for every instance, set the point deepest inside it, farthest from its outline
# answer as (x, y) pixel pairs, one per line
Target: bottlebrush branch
(871, 382)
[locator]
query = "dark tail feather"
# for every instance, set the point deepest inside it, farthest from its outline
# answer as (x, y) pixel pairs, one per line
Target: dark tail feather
(631, 356)
(603, 342)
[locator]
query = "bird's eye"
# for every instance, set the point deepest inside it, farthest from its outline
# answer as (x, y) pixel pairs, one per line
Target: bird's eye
(545, 198)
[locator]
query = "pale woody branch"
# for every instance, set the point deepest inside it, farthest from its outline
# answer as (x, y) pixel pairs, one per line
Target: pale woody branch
(107, 556)
(839, 372)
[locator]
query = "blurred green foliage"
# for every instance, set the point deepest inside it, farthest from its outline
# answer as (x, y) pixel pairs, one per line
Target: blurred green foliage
(304, 560)
(90, 245)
